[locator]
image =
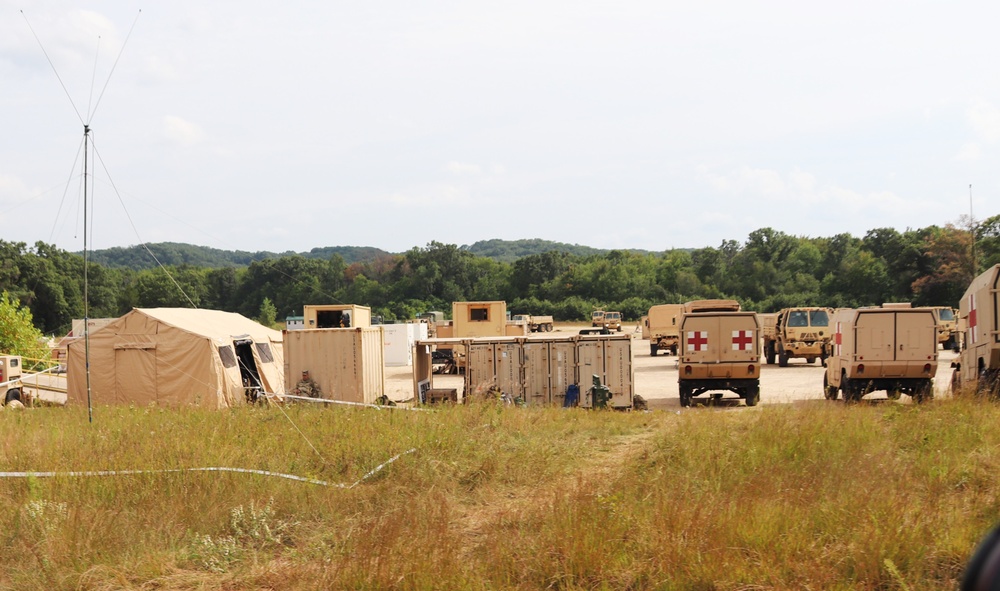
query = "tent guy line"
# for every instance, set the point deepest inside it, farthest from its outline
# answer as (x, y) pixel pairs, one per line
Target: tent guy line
(368, 475)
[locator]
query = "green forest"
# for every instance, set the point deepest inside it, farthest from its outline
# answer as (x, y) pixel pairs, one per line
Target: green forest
(766, 272)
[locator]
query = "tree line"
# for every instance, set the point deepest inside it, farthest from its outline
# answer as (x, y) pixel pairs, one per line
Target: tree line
(770, 270)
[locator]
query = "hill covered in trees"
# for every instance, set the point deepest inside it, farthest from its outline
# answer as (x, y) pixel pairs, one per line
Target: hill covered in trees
(767, 271)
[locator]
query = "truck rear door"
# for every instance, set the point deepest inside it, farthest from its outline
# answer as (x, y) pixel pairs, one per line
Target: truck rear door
(916, 338)
(875, 336)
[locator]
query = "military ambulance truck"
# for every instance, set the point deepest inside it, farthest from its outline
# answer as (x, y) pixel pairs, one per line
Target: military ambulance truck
(719, 350)
(979, 311)
(10, 379)
(892, 347)
(796, 333)
(663, 327)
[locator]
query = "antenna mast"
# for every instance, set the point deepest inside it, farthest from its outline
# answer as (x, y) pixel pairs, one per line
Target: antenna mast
(86, 298)
(972, 228)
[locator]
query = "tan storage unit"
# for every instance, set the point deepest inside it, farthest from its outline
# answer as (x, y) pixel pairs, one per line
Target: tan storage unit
(539, 370)
(336, 316)
(517, 328)
(479, 319)
(548, 367)
(347, 363)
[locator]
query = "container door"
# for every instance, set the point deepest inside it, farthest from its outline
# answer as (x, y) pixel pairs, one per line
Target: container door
(562, 370)
(536, 373)
(618, 371)
(590, 356)
(479, 368)
(875, 336)
(508, 369)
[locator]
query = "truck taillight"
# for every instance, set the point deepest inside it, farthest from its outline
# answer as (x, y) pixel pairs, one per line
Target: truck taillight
(927, 368)
(861, 368)
(749, 369)
(687, 369)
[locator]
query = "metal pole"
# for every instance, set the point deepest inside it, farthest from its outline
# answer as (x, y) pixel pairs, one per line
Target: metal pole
(86, 305)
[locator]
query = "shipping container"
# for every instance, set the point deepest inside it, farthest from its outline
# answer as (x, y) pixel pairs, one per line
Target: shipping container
(346, 363)
(538, 370)
(398, 341)
(336, 316)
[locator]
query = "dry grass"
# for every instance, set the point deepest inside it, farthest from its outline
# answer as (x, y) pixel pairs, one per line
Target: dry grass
(809, 496)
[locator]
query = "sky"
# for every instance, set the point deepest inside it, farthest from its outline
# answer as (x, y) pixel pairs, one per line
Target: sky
(614, 124)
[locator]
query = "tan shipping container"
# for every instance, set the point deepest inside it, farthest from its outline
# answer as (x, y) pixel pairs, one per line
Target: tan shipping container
(336, 316)
(539, 370)
(346, 363)
(479, 319)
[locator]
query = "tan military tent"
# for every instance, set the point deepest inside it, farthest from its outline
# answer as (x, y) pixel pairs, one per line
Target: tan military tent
(176, 357)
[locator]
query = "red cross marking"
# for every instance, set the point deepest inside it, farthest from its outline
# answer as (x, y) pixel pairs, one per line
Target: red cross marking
(742, 340)
(972, 317)
(697, 340)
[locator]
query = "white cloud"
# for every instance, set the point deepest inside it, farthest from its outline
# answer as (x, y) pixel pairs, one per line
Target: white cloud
(437, 196)
(985, 120)
(182, 131)
(969, 152)
(797, 187)
(463, 168)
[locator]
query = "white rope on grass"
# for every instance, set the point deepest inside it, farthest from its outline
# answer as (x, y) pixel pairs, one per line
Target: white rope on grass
(371, 473)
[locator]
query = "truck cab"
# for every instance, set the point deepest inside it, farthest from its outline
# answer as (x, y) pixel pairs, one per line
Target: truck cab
(597, 318)
(10, 379)
(797, 333)
(613, 321)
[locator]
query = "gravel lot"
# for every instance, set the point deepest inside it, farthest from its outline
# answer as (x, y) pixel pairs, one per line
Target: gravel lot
(656, 378)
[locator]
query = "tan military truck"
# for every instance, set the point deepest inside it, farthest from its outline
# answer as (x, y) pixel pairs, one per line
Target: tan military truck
(535, 323)
(663, 327)
(892, 347)
(10, 379)
(947, 326)
(719, 350)
(597, 318)
(979, 311)
(796, 333)
(613, 321)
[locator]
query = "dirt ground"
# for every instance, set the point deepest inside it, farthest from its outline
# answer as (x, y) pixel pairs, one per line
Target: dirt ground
(656, 377)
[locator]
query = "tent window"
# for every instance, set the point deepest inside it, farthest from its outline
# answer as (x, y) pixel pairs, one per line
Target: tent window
(264, 352)
(227, 356)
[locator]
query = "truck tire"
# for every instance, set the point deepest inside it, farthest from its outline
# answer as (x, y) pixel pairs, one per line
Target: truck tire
(12, 395)
(548, 327)
(850, 390)
(829, 392)
(753, 396)
(653, 348)
(810, 360)
(923, 393)
(769, 352)
(685, 396)
(673, 350)
(782, 357)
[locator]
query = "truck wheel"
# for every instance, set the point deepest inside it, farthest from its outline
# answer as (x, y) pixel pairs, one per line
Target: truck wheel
(753, 396)
(956, 381)
(829, 392)
(769, 353)
(923, 393)
(685, 396)
(673, 350)
(782, 358)
(548, 327)
(810, 360)
(850, 390)
(12, 395)
(653, 349)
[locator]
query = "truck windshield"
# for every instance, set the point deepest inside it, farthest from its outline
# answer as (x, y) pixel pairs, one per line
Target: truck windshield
(819, 318)
(945, 314)
(798, 318)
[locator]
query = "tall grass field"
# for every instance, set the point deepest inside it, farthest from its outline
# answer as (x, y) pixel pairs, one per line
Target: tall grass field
(802, 496)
